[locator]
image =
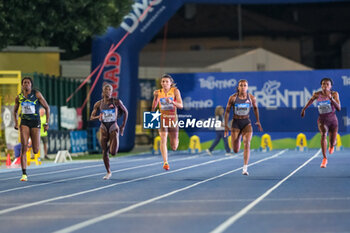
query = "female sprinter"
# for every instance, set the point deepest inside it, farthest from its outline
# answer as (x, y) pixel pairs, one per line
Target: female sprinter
(169, 99)
(327, 102)
(109, 109)
(241, 125)
(30, 101)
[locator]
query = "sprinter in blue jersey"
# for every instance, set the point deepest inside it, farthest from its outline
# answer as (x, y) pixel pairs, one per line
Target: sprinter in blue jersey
(30, 101)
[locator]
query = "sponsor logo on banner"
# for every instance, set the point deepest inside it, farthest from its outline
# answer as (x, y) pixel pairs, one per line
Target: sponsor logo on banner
(346, 80)
(151, 120)
(132, 20)
(189, 103)
(112, 76)
(210, 83)
(270, 96)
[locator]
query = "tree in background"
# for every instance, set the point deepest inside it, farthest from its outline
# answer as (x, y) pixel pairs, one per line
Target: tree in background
(68, 24)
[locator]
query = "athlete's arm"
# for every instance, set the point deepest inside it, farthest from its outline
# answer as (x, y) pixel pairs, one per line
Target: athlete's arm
(15, 111)
(125, 111)
(227, 113)
(256, 112)
(155, 100)
(313, 98)
(46, 107)
(335, 100)
(178, 102)
(94, 111)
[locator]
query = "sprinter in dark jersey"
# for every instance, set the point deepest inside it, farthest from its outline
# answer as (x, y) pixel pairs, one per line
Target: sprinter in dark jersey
(241, 125)
(327, 102)
(109, 109)
(30, 101)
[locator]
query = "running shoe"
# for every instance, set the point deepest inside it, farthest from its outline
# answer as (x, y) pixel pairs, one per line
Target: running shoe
(24, 178)
(246, 173)
(331, 149)
(208, 151)
(107, 176)
(324, 163)
(166, 166)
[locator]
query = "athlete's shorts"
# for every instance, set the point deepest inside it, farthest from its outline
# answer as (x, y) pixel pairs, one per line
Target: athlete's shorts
(31, 123)
(109, 126)
(44, 139)
(331, 121)
(240, 123)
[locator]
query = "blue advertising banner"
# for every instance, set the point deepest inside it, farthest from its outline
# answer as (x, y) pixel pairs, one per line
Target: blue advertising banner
(58, 140)
(78, 141)
(53, 124)
(146, 18)
(146, 89)
(280, 97)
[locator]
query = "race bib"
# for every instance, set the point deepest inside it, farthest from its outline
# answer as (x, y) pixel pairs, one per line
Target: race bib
(28, 108)
(108, 115)
(242, 109)
(324, 107)
(165, 105)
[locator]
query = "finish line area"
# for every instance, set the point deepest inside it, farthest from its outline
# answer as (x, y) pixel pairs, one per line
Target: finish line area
(286, 191)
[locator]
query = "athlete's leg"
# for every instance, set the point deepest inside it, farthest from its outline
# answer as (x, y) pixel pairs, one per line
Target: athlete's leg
(104, 145)
(236, 139)
(25, 134)
(163, 133)
(247, 133)
(114, 142)
(323, 131)
(174, 137)
(332, 138)
(35, 136)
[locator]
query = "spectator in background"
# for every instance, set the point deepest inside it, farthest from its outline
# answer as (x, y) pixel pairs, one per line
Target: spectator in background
(219, 116)
(43, 133)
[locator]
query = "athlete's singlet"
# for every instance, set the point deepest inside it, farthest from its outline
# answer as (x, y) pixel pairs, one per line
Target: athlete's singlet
(167, 110)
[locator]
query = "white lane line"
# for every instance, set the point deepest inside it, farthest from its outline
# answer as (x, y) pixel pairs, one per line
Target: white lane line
(92, 221)
(87, 176)
(107, 186)
(112, 159)
(77, 168)
(167, 202)
(56, 216)
(226, 224)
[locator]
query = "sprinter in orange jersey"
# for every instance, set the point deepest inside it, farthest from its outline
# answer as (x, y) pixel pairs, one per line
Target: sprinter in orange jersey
(169, 99)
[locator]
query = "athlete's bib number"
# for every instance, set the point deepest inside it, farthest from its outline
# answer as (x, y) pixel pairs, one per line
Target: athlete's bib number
(242, 109)
(165, 105)
(28, 107)
(324, 107)
(108, 115)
